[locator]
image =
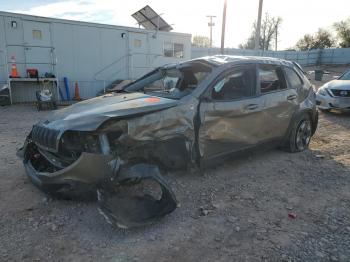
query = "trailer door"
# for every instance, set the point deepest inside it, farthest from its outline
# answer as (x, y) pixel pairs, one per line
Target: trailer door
(38, 48)
(139, 54)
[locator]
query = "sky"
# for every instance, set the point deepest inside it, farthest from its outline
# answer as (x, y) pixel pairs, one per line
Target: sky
(189, 16)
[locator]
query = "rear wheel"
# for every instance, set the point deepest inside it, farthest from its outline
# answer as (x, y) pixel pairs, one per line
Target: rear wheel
(300, 134)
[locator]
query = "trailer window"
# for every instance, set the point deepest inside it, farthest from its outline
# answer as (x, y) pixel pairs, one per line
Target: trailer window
(168, 49)
(173, 50)
(179, 50)
(37, 34)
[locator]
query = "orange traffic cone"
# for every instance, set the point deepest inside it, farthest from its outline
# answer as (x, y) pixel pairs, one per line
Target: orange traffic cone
(14, 72)
(76, 92)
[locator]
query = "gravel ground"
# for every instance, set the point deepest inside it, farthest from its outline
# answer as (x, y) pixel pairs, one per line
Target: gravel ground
(263, 206)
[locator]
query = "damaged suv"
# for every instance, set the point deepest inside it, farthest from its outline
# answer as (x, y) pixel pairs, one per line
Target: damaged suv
(176, 117)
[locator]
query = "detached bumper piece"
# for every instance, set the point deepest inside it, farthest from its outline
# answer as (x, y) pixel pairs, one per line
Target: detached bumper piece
(139, 196)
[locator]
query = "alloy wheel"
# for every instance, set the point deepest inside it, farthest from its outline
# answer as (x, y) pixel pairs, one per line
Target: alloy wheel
(303, 135)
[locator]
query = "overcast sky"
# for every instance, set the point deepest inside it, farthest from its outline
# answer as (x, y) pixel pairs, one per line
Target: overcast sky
(189, 16)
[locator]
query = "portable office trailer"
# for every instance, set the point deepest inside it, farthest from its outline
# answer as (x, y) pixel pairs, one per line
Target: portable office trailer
(91, 54)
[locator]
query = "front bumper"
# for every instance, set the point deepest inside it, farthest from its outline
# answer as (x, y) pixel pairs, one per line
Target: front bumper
(92, 175)
(78, 180)
(328, 102)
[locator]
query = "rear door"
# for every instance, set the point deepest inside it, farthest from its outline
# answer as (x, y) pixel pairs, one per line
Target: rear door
(230, 113)
(279, 101)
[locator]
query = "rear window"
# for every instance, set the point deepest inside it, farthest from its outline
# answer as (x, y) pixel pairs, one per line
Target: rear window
(293, 78)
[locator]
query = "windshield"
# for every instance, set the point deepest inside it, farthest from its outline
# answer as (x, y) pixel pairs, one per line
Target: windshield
(345, 76)
(171, 82)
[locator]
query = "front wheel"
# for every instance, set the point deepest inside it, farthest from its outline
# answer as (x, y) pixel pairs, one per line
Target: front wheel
(300, 134)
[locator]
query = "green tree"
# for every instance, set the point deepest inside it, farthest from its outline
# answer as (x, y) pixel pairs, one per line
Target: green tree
(200, 41)
(305, 43)
(343, 32)
(322, 39)
(268, 31)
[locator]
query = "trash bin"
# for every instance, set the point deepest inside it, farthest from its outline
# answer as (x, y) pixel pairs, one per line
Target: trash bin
(318, 74)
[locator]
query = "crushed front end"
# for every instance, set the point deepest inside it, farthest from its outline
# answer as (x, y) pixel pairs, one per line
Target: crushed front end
(118, 160)
(70, 165)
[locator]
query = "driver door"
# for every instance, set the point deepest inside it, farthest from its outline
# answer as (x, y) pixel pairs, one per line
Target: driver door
(231, 113)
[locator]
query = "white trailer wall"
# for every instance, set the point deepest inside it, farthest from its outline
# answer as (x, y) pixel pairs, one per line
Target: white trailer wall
(82, 51)
(91, 54)
(3, 71)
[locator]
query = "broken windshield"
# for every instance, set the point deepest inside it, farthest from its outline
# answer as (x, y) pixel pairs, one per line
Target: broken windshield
(171, 82)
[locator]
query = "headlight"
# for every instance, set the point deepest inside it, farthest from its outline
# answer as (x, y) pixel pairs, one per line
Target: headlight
(322, 91)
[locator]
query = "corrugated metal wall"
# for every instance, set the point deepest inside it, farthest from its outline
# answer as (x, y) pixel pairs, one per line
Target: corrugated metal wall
(312, 57)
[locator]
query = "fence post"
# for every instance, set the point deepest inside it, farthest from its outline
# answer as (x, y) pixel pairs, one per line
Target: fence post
(319, 58)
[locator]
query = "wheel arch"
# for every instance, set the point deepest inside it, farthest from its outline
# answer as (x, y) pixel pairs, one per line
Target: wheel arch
(298, 114)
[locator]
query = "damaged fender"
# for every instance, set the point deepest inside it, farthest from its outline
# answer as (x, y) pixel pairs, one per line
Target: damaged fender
(125, 210)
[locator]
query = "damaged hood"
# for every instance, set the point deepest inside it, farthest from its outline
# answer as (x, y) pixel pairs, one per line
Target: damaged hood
(88, 115)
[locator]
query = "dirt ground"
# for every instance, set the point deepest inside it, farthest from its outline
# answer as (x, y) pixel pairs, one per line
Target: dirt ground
(238, 211)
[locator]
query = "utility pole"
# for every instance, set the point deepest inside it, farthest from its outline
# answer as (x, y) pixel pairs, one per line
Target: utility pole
(276, 35)
(211, 24)
(223, 28)
(258, 25)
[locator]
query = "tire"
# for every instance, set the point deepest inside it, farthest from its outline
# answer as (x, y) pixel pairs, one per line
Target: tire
(299, 135)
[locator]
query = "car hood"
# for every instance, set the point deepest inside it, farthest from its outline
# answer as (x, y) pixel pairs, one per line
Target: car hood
(88, 115)
(339, 84)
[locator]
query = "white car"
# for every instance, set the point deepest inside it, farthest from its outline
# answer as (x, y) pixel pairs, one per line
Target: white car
(335, 94)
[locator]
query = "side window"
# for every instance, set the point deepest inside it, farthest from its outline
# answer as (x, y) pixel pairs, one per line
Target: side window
(293, 78)
(271, 78)
(238, 83)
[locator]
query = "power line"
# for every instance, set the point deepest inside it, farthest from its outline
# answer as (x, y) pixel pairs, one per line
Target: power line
(211, 24)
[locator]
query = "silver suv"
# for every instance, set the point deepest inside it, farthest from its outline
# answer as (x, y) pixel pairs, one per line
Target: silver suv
(185, 115)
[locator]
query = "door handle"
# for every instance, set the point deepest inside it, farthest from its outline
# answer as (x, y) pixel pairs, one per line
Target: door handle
(251, 106)
(291, 97)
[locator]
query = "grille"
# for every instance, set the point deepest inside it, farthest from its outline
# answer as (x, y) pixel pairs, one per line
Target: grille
(45, 137)
(341, 93)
